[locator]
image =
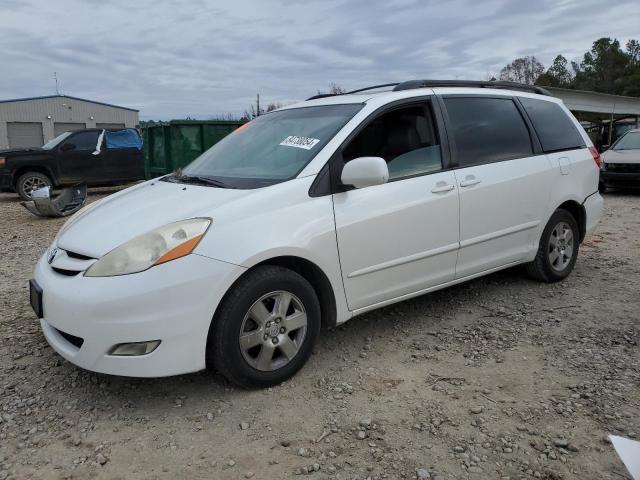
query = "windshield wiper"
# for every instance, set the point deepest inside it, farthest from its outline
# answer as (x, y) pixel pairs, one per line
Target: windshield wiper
(199, 180)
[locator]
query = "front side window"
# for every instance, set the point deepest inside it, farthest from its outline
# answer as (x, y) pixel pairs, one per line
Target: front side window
(271, 148)
(82, 141)
(555, 129)
(487, 130)
(405, 137)
(631, 141)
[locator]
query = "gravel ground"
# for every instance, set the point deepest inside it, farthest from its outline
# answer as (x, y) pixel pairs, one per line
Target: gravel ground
(500, 377)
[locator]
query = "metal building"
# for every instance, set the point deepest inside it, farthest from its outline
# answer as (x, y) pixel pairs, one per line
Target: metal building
(31, 122)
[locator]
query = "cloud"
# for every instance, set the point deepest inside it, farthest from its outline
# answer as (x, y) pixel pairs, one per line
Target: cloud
(172, 59)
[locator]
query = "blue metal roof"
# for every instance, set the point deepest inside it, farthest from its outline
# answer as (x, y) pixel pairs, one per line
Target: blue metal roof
(67, 96)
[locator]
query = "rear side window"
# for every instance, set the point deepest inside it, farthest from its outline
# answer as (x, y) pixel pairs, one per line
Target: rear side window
(555, 129)
(487, 130)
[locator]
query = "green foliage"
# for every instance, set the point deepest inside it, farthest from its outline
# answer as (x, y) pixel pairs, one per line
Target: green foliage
(557, 75)
(605, 68)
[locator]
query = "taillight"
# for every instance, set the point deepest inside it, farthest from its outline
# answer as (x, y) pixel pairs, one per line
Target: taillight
(596, 156)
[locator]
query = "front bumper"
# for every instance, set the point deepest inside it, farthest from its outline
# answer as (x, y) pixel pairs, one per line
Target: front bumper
(6, 181)
(620, 179)
(173, 302)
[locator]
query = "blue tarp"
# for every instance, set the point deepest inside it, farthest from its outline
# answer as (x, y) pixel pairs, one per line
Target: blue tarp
(127, 138)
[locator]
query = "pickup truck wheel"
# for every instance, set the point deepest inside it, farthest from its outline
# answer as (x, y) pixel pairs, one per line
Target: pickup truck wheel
(558, 249)
(30, 181)
(265, 328)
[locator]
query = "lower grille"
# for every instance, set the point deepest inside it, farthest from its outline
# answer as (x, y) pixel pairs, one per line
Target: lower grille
(72, 339)
(624, 167)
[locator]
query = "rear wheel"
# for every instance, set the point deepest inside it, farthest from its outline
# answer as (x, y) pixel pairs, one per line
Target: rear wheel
(265, 328)
(558, 249)
(30, 181)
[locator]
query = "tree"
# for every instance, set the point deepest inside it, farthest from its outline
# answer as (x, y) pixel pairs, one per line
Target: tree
(633, 51)
(523, 70)
(557, 75)
(251, 113)
(334, 89)
(273, 106)
(630, 83)
(603, 68)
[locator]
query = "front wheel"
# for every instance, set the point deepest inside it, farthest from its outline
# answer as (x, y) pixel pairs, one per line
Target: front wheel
(265, 328)
(31, 181)
(558, 249)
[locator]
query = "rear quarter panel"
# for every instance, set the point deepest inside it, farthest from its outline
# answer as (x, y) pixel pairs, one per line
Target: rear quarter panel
(576, 174)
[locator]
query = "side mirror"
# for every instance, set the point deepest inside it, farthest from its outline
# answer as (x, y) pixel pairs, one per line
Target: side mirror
(365, 172)
(604, 147)
(67, 147)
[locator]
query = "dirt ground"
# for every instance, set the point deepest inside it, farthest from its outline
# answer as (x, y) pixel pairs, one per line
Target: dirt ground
(501, 377)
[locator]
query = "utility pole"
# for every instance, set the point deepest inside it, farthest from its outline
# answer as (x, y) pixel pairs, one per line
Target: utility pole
(55, 77)
(257, 105)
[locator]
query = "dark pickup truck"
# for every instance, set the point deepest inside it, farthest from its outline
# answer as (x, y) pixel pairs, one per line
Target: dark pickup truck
(97, 157)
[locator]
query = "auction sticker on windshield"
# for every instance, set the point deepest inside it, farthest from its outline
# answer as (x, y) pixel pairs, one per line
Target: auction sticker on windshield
(299, 142)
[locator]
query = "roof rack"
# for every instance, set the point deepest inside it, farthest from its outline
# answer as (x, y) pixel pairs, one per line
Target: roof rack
(324, 95)
(411, 84)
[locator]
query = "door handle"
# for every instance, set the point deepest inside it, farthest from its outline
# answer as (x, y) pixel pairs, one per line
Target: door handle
(439, 188)
(469, 181)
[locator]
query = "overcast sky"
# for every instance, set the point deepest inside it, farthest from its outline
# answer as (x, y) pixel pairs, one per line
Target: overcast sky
(199, 58)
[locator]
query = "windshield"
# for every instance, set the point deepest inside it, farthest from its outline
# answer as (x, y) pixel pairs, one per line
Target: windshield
(52, 143)
(631, 141)
(271, 148)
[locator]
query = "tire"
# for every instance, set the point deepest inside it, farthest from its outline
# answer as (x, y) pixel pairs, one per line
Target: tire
(31, 181)
(250, 310)
(557, 253)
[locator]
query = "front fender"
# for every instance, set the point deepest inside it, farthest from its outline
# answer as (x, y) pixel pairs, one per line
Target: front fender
(278, 221)
(44, 164)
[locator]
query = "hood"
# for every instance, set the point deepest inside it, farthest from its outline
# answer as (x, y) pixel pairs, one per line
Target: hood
(139, 209)
(16, 152)
(621, 156)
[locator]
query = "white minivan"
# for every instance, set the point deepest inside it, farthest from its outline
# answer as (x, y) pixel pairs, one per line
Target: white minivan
(311, 215)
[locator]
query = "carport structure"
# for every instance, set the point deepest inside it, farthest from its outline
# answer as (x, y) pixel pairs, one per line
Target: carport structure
(596, 111)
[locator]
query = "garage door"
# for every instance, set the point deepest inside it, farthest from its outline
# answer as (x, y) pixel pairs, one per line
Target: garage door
(110, 125)
(59, 128)
(24, 134)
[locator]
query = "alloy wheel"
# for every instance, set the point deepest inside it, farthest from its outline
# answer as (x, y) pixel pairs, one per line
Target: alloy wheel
(560, 247)
(31, 184)
(273, 331)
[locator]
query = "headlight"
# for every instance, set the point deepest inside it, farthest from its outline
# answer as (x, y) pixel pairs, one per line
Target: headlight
(153, 248)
